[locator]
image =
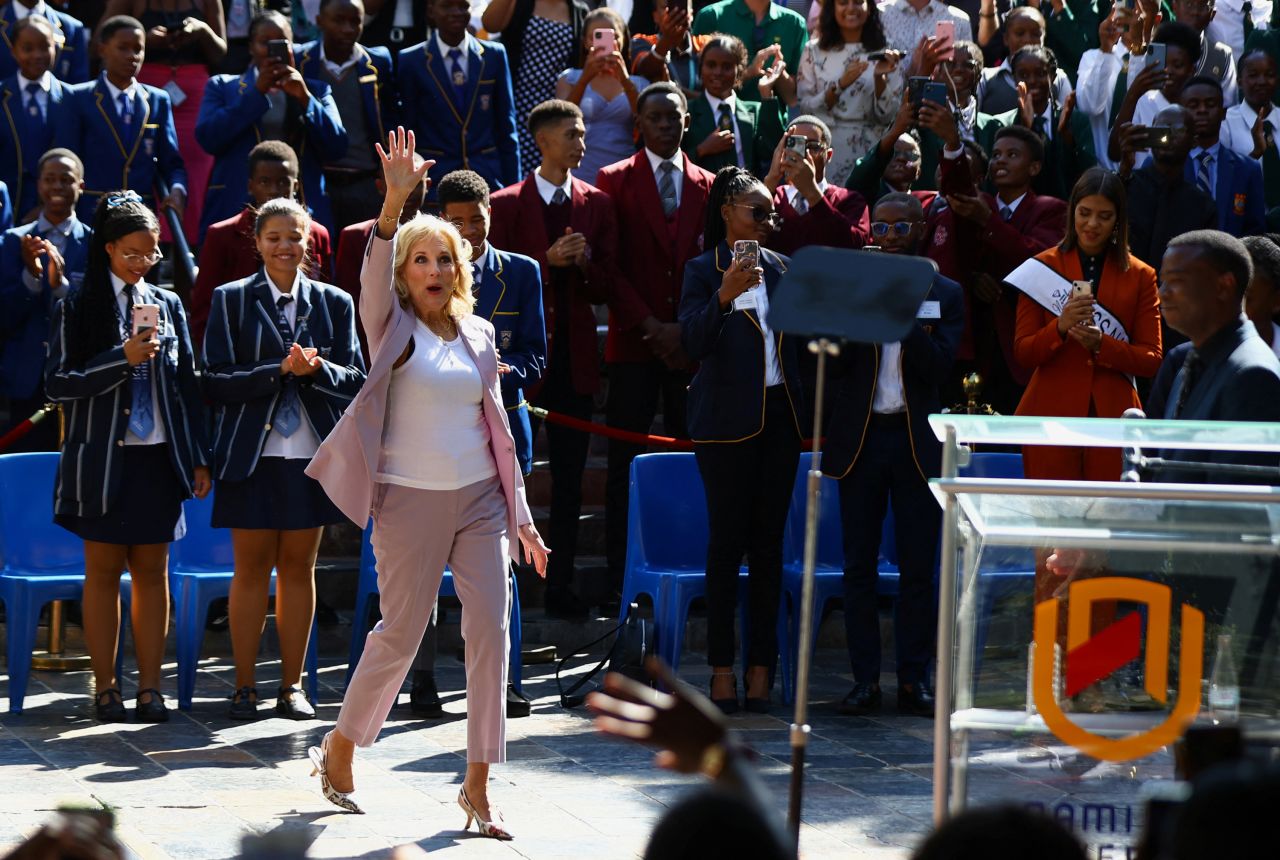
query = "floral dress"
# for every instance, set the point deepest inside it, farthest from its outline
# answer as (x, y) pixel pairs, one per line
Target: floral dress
(547, 46)
(859, 117)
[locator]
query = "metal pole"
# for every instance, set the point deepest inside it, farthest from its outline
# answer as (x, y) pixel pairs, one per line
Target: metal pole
(799, 726)
(946, 636)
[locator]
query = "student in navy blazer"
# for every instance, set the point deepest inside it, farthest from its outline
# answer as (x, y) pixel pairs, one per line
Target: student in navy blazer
(1237, 179)
(472, 126)
(40, 263)
(745, 408)
(135, 444)
(281, 363)
(271, 100)
(122, 147)
(26, 118)
(72, 63)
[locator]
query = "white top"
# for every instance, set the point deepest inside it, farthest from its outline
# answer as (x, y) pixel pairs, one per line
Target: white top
(1275, 339)
(546, 190)
(435, 436)
(157, 435)
(677, 177)
(303, 443)
(1227, 24)
(889, 397)
(1237, 130)
(338, 69)
(1095, 91)
(905, 25)
(758, 297)
(733, 115)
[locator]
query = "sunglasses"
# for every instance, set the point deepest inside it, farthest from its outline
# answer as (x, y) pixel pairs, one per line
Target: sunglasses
(900, 228)
(759, 214)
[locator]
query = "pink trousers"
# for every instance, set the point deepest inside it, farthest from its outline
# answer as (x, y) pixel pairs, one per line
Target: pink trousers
(415, 534)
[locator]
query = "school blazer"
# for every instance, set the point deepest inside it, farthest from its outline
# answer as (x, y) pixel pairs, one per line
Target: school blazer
(347, 463)
(116, 156)
(377, 83)
(227, 127)
(480, 133)
(1239, 192)
(655, 252)
(727, 394)
(841, 220)
(1063, 164)
(761, 125)
(70, 62)
(96, 400)
(1066, 376)
(509, 296)
(242, 355)
(924, 361)
(23, 139)
(24, 315)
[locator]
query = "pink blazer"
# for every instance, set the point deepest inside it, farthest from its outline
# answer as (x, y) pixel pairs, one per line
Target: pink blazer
(347, 461)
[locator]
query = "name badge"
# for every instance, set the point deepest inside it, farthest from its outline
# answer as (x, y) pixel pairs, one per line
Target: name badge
(176, 95)
(746, 301)
(930, 311)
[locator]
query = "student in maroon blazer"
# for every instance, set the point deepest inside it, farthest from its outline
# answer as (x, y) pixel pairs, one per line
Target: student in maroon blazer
(569, 227)
(991, 235)
(813, 212)
(659, 230)
(354, 240)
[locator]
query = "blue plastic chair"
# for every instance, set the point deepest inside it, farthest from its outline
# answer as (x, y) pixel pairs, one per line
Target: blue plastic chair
(367, 587)
(42, 561)
(201, 566)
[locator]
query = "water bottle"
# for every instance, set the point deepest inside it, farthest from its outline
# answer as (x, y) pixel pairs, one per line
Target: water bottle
(1224, 689)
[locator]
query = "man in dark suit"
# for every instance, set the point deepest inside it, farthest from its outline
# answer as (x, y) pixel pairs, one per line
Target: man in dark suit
(660, 197)
(1233, 180)
(813, 211)
(456, 95)
(984, 237)
(569, 227)
(880, 447)
(40, 263)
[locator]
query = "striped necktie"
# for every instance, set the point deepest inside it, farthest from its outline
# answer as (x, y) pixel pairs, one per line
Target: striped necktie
(141, 410)
(1204, 179)
(667, 188)
(289, 415)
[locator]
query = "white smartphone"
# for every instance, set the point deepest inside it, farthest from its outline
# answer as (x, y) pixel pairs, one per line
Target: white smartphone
(1081, 288)
(145, 316)
(604, 40)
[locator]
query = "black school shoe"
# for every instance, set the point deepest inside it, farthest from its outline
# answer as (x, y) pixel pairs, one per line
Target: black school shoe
(518, 704)
(916, 699)
(108, 707)
(153, 710)
(863, 699)
(424, 698)
(244, 704)
(292, 704)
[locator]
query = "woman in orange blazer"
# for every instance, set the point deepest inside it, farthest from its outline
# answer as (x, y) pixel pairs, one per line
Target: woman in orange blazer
(1078, 370)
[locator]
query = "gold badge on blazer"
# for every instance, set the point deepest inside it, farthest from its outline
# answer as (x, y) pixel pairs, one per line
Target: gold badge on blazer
(504, 339)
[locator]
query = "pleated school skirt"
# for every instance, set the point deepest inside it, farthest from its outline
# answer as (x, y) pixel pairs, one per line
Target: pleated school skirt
(148, 508)
(279, 495)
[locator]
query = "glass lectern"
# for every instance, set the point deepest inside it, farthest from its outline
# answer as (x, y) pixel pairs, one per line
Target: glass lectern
(1084, 626)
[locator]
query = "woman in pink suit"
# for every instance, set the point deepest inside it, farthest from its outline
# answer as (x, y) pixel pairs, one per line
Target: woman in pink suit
(426, 450)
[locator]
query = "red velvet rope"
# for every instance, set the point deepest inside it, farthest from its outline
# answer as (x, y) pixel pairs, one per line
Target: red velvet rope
(616, 433)
(25, 427)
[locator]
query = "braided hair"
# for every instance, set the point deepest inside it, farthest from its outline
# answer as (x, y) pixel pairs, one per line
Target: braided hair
(730, 183)
(1046, 56)
(91, 316)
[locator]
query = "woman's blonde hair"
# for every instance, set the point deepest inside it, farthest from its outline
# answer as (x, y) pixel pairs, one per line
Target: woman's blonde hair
(423, 227)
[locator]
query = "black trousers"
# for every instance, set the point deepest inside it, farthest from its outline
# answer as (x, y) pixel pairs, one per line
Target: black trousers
(886, 472)
(748, 486)
(634, 391)
(567, 452)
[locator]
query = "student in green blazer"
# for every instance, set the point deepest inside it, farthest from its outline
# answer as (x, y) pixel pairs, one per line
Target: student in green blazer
(724, 130)
(1068, 139)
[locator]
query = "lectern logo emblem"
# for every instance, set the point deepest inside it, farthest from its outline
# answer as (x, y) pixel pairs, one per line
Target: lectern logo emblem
(1091, 658)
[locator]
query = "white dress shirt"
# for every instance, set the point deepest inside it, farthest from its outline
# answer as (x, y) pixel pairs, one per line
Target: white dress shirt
(339, 69)
(1237, 130)
(303, 443)
(444, 55)
(157, 435)
(677, 176)
(39, 8)
(1095, 92)
(45, 83)
(732, 102)
(758, 297)
(1013, 207)
(889, 397)
(1227, 24)
(546, 190)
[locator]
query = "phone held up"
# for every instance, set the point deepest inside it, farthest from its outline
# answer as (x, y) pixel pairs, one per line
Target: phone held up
(605, 41)
(945, 35)
(1158, 52)
(798, 144)
(936, 92)
(1081, 288)
(278, 49)
(145, 317)
(746, 252)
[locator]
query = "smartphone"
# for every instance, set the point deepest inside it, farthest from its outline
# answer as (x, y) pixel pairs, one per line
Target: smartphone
(1158, 52)
(1081, 288)
(945, 35)
(798, 144)
(915, 88)
(1158, 135)
(936, 92)
(877, 56)
(604, 40)
(145, 316)
(278, 49)
(725, 123)
(747, 250)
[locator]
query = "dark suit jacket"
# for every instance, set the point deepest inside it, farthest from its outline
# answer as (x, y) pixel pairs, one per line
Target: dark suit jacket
(377, 84)
(479, 134)
(841, 220)
(652, 251)
(380, 30)
(229, 253)
(24, 315)
(1160, 210)
(519, 227)
(23, 139)
(96, 400)
(1240, 195)
(70, 63)
(760, 124)
(727, 394)
(228, 128)
(924, 361)
(242, 355)
(1064, 164)
(1240, 381)
(115, 156)
(509, 295)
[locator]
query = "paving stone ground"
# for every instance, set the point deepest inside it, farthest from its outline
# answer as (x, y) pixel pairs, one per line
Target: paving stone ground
(193, 787)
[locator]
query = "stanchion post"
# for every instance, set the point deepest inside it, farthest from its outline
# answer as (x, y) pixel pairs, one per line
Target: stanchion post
(946, 635)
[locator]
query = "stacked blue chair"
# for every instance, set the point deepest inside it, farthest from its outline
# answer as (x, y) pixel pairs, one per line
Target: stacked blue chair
(42, 561)
(367, 587)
